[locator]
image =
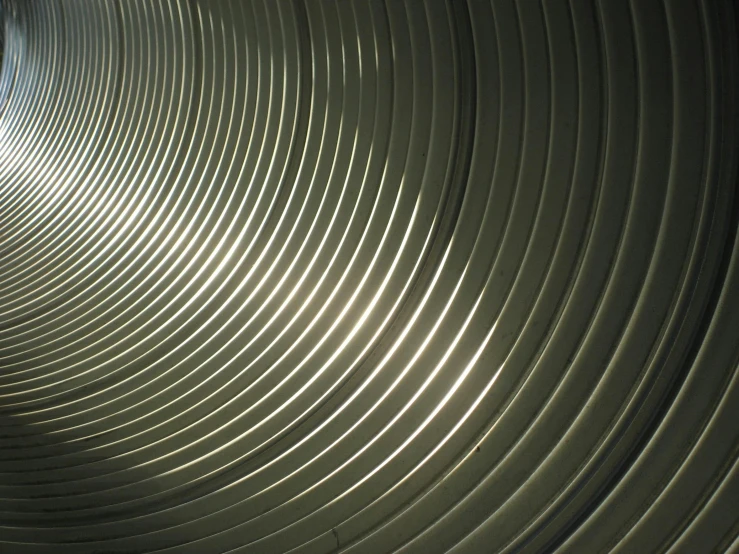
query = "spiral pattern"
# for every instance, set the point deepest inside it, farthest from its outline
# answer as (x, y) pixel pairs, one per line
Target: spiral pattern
(369, 276)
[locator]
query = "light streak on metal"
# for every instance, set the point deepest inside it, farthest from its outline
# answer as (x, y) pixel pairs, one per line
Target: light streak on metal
(400, 276)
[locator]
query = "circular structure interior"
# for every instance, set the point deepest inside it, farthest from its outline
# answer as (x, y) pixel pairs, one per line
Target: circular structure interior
(363, 276)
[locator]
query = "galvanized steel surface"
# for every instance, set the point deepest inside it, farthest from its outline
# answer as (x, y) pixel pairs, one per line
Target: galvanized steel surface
(369, 276)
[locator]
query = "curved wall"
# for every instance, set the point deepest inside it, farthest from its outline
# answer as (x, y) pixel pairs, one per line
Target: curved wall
(370, 277)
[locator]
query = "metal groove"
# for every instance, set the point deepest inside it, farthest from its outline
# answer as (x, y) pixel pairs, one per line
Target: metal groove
(370, 277)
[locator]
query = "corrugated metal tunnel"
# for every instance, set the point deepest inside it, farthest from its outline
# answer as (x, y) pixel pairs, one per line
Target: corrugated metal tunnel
(362, 276)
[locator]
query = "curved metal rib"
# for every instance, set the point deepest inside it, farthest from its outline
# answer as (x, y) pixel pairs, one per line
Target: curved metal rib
(370, 277)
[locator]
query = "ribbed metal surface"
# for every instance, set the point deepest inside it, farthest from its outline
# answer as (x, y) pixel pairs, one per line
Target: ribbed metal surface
(370, 277)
